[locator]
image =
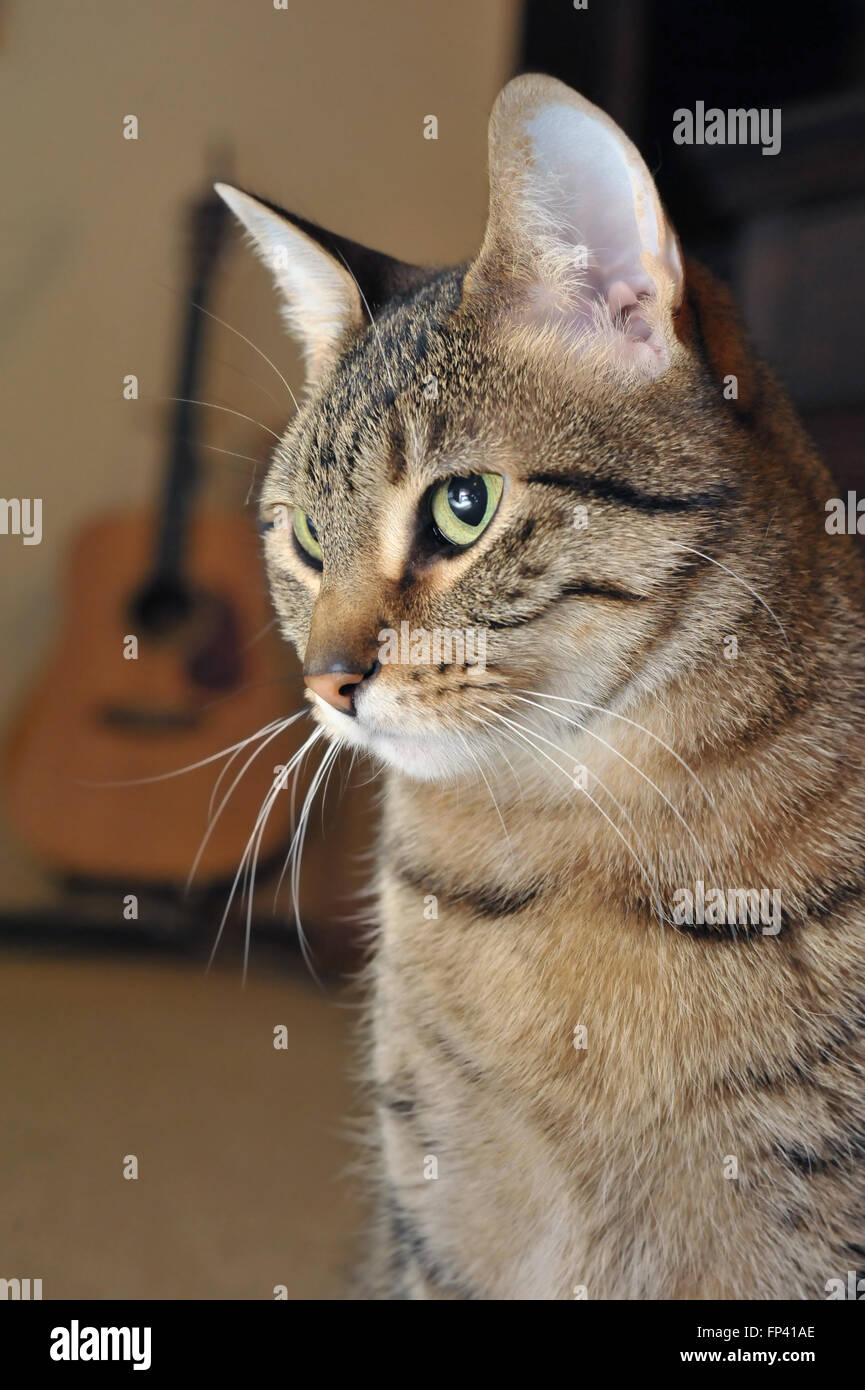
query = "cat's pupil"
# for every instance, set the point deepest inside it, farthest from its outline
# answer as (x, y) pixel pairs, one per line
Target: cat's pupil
(311, 529)
(468, 499)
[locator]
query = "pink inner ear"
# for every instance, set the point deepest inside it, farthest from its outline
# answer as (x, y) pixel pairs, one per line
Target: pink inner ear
(627, 310)
(585, 206)
(642, 344)
(639, 343)
(620, 296)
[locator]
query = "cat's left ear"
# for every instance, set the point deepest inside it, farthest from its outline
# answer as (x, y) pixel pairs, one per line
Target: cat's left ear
(577, 239)
(329, 286)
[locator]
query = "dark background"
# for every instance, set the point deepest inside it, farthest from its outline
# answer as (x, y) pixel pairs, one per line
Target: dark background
(787, 232)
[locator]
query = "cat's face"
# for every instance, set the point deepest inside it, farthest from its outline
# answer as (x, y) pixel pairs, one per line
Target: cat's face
(486, 491)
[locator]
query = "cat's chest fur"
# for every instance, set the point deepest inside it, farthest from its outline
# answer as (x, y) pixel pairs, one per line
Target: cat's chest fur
(542, 1066)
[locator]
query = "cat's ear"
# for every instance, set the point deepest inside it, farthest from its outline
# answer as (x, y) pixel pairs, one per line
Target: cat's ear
(328, 284)
(577, 238)
(320, 301)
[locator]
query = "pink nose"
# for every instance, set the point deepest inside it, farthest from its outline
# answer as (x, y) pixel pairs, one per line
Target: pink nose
(336, 687)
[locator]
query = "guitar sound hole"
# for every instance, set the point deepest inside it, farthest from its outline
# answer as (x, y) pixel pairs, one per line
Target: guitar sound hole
(161, 607)
(201, 627)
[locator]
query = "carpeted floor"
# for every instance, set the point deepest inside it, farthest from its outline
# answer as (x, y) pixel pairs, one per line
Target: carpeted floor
(241, 1148)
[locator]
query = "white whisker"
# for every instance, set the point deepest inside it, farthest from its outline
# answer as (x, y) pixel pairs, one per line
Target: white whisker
(585, 729)
(182, 771)
(275, 724)
(250, 343)
(212, 822)
(295, 853)
(486, 725)
(477, 764)
(525, 734)
(269, 799)
(217, 449)
(601, 709)
(211, 405)
(745, 585)
(248, 380)
(372, 323)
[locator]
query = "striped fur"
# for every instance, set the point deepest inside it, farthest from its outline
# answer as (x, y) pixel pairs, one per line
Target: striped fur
(603, 1168)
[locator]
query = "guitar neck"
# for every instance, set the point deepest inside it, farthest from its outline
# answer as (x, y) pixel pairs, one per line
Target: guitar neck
(182, 473)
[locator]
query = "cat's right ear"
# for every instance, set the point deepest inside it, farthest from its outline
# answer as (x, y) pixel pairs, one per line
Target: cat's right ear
(319, 297)
(577, 243)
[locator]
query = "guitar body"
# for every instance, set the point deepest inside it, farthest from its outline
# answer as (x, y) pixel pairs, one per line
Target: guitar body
(103, 715)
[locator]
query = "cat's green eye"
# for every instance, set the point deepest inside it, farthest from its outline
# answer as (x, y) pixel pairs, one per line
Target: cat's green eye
(462, 508)
(306, 535)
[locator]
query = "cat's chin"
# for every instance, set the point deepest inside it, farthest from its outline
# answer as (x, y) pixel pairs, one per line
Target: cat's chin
(424, 757)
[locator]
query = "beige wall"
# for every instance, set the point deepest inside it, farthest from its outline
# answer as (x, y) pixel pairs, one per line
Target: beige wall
(323, 105)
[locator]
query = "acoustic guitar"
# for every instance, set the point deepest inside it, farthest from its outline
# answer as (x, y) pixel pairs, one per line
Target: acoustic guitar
(166, 656)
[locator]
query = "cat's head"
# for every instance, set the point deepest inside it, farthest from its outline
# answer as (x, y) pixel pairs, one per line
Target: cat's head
(487, 486)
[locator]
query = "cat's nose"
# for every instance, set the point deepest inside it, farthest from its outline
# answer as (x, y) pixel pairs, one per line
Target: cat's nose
(336, 687)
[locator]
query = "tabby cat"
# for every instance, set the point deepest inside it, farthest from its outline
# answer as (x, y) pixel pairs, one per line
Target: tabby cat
(618, 994)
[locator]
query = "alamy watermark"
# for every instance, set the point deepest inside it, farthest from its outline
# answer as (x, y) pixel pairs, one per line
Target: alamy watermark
(846, 518)
(719, 907)
(737, 126)
(77, 1343)
(853, 1287)
(438, 646)
(21, 1290)
(22, 516)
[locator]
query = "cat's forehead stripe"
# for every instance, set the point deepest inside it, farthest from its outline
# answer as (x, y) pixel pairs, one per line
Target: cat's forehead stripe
(384, 386)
